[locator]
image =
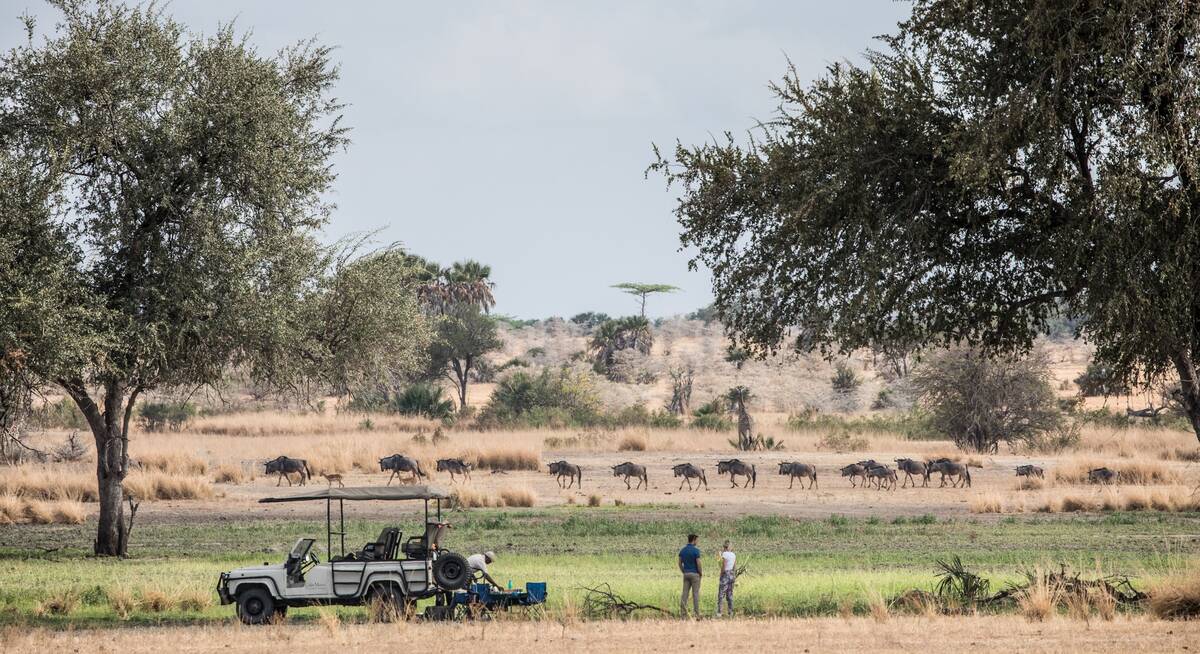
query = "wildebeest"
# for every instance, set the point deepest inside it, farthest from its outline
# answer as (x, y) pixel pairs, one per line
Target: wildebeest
(399, 463)
(882, 474)
(735, 468)
(855, 470)
(690, 472)
(912, 467)
(1101, 476)
(284, 466)
(1030, 471)
(629, 469)
(802, 470)
(454, 467)
(958, 473)
(571, 471)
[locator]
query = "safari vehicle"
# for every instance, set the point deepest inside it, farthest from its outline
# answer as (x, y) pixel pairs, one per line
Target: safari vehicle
(389, 570)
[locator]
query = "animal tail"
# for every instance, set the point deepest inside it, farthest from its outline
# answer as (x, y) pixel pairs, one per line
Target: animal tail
(967, 469)
(753, 475)
(306, 470)
(420, 470)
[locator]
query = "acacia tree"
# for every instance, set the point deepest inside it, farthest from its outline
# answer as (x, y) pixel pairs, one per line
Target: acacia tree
(996, 164)
(464, 335)
(176, 183)
(642, 291)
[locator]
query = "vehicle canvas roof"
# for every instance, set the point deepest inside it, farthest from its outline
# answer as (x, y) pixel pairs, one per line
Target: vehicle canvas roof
(423, 492)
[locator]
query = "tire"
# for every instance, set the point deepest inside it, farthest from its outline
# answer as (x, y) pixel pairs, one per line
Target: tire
(451, 572)
(256, 606)
(387, 603)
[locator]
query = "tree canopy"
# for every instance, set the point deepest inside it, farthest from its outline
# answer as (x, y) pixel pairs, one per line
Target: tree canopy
(160, 202)
(993, 165)
(642, 291)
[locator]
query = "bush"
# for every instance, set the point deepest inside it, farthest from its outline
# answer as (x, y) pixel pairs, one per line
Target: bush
(548, 399)
(844, 380)
(1100, 380)
(712, 415)
(912, 425)
(979, 402)
(423, 400)
(63, 414)
(161, 416)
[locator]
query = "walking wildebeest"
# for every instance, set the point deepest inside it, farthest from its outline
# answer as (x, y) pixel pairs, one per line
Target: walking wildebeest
(690, 472)
(399, 463)
(571, 471)
(285, 466)
(855, 470)
(1030, 471)
(454, 467)
(912, 467)
(801, 470)
(1101, 476)
(882, 474)
(735, 468)
(952, 470)
(629, 469)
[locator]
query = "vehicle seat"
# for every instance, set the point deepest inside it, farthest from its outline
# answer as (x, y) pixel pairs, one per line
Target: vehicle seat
(383, 549)
(418, 547)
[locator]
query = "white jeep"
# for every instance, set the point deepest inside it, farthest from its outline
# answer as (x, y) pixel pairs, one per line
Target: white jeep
(393, 572)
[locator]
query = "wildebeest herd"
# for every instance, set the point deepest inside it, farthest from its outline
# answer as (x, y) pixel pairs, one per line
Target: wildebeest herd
(861, 474)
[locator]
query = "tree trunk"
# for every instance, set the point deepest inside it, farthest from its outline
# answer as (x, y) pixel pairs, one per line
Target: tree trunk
(110, 430)
(1189, 387)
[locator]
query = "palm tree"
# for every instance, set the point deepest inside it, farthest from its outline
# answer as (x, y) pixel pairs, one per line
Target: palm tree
(464, 283)
(612, 336)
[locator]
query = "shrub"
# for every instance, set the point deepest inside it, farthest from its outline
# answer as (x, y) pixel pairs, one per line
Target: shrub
(519, 497)
(1099, 380)
(632, 443)
(979, 402)
(843, 441)
(161, 416)
(548, 399)
(61, 414)
(594, 500)
(511, 458)
(1177, 598)
(885, 399)
(59, 603)
(232, 474)
(122, 601)
(844, 381)
(712, 415)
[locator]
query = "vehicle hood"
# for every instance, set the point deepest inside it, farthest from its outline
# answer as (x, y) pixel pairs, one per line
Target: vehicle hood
(255, 570)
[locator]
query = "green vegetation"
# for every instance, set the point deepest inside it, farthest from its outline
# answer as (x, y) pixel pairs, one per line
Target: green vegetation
(160, 416)
(912, 425)
(796, 567)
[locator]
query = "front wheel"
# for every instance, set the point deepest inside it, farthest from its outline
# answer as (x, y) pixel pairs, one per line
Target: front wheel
(451, 572)
(388, 604)
(256, 606)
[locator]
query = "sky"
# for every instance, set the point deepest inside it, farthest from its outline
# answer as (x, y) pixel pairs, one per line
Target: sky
(518, 133)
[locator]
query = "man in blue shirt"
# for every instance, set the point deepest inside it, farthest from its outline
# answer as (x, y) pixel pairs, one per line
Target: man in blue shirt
(689, 565)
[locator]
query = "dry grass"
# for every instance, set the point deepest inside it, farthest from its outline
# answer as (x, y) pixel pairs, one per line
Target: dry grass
(122, 601)
(20, 510)
(1177, 598)
(152, 486)
(194, 600)
(280, 423)
(633, 443)
(229, 473)
(594, 500)
(154, 600)
(466, 497)
(49, 483)
(879, 607)
(518, 496)
(1031, 483)
(1138, 472)
(1179, 499)
(504, 458)
(984, 633)
(1040, 600)
(176, 463)
(59, 603)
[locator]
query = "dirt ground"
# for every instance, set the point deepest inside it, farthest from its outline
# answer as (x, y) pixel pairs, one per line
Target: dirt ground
(771, 495)
(907, 634)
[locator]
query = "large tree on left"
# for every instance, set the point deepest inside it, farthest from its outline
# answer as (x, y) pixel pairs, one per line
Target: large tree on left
(172, 184)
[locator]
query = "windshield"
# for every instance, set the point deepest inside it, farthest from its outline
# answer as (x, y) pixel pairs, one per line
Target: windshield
(300, 549)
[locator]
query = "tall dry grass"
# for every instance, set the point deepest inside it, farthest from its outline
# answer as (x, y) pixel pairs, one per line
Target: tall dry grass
(49, 483)
(1142, 471)
(283, 423)
(1176, 598)
(467, 497)
(174, 463)
(15, 509)
(152, 486)
(1178, 499)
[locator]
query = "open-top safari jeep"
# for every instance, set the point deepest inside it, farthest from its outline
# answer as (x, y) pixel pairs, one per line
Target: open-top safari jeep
(390, 571)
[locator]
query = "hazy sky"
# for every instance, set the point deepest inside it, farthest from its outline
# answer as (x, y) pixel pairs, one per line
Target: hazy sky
(518, 133)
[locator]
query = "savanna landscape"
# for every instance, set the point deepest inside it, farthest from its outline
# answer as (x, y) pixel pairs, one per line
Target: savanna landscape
(943, 389)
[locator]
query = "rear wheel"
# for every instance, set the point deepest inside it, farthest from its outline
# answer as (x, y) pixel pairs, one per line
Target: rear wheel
(451, 572)
(256, 606)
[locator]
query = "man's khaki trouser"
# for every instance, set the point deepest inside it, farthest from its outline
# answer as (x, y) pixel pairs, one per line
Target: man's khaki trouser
(691, 582)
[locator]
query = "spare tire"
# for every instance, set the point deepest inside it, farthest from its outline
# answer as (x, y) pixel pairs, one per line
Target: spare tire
(451, 572)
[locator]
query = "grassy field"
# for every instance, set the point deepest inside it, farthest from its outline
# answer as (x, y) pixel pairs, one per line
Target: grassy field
(796, 567)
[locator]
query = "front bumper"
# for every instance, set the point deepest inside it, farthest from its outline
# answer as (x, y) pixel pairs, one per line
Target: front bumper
(223, 589)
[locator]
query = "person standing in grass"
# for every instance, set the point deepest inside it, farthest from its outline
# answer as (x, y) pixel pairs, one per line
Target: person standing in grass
(689, 565)
(728, 575)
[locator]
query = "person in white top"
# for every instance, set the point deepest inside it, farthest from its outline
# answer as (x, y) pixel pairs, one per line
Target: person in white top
(479, 564)
(728, 576)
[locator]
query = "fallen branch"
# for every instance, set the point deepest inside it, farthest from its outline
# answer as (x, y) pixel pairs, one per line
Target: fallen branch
(601, 602)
